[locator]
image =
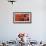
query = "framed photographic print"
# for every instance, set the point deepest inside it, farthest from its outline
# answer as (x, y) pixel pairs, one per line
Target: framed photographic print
(22, 17)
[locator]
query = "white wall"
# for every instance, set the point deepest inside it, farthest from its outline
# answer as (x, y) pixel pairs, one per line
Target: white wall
(9, 31)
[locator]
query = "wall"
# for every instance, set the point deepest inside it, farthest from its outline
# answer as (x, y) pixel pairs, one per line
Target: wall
(9, 31)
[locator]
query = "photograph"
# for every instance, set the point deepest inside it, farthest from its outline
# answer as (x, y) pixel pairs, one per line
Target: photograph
(22, 17)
